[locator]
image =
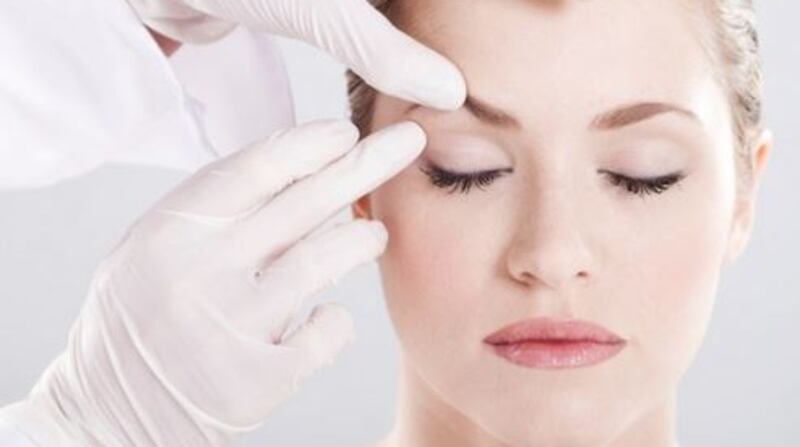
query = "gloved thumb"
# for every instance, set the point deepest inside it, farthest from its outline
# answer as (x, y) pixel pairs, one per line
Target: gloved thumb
(386, 58)
(359, 36)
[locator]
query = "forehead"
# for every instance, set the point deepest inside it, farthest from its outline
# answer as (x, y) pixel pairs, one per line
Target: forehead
(566, 56)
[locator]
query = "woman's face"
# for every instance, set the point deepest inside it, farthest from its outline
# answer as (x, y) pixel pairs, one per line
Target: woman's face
(565, 95)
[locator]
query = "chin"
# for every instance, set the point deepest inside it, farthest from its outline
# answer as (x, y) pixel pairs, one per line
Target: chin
(553, 420)
(551, 431)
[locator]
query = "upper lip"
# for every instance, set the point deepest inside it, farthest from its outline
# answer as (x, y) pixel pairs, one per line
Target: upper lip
(545, 328)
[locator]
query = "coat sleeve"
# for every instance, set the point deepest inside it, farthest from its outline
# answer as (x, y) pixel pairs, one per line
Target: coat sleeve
(83, 83)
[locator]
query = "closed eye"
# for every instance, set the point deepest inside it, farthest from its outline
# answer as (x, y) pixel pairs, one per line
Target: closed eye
(463, 182)
(644, 185)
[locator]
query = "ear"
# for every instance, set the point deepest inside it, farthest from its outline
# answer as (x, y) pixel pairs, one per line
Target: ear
(744, 213)
(361, 208)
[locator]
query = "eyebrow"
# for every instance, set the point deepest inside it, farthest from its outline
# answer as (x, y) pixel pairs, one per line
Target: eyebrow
(634, 113)
(489, 114)
(483, 112)
(625, 115)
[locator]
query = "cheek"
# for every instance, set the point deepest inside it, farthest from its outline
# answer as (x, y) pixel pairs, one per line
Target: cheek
(680, 255)
(438, 260)
(671, 274)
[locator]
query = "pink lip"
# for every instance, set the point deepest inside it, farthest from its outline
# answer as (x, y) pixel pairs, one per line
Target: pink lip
(551, 344)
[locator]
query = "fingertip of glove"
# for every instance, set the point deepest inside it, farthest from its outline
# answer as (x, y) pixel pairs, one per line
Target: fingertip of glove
(434, 81)
(445, 91)
(333, 314)
(406, 134)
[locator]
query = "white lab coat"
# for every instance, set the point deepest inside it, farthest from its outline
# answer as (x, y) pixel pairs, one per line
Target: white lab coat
(83, 84)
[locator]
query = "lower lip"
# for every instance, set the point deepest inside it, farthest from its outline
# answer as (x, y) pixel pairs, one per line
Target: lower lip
(557, 354)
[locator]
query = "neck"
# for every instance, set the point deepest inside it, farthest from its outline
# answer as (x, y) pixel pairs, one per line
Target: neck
(424, 419)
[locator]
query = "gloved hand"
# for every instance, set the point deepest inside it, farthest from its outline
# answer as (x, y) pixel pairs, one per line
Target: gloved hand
(352, 31)
(183, 340)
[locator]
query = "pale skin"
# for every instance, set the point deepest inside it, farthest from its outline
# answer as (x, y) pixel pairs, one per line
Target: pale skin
(555, 236)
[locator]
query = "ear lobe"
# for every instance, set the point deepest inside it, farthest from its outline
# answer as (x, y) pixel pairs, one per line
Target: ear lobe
(741, 228)
(744, 214)
(761, 154)
(361, 208)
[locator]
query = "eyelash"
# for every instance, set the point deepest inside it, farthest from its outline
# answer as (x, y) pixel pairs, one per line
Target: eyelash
(442, 178)
(644, 186)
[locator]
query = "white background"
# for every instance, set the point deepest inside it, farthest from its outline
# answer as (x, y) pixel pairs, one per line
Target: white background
(743, 389)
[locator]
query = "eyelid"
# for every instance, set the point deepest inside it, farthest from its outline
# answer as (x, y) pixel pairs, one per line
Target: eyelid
(634, 177)
(644, 178)
(647, 155)
(430, 165)
(462, 152)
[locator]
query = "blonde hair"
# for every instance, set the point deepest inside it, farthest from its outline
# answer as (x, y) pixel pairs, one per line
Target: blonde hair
(733, 47)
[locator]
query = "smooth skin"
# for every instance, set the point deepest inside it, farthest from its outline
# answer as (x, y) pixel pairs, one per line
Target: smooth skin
(556, 236)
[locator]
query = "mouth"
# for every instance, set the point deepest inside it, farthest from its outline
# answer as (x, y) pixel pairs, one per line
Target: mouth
(546, 343)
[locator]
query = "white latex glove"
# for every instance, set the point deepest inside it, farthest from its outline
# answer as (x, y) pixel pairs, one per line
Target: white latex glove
(183, 338)
(352, 31)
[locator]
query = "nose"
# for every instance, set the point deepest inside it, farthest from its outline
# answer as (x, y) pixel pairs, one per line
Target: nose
(548, 247)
